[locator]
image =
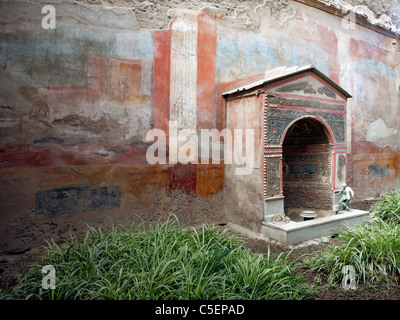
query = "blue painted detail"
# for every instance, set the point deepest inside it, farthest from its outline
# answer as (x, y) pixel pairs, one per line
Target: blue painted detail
(242, 55)
(369, 66)
(45, 57)
(75, 199)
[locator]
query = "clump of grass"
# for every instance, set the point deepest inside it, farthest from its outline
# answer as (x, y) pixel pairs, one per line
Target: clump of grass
(161, 262)
(388, 206)
(372, 248)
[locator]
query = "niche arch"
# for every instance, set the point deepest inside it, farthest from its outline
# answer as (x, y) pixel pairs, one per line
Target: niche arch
(307, 157)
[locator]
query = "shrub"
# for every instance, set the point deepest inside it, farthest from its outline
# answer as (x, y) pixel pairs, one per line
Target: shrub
(372, 248)
(162, 262)
(388, 207)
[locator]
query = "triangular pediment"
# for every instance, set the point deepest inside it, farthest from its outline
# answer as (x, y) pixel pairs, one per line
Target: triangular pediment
(302, 81)
(307, 84)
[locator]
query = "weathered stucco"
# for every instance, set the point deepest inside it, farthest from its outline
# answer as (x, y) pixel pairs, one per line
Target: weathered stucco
(77, 102)
(384, 13)
(153, 14)
(380, 134)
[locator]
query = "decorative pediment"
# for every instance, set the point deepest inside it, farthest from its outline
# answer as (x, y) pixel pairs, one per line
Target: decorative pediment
(309, 85)
(304, 128)
(306, 80)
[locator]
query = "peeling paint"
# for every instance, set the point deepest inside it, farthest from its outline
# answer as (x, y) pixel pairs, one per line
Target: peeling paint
(383, 136)
(382, 13)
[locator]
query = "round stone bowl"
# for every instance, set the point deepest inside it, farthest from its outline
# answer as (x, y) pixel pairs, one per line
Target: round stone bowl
(308, 215)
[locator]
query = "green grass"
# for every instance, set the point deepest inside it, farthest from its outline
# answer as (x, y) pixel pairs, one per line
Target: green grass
(388, 206)
(372, 248)
(161, 262)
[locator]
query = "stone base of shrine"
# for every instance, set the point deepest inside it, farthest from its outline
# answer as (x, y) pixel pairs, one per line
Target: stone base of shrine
(292, 233)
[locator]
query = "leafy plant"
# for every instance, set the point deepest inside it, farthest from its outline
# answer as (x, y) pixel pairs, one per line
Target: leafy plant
(372, 248)
(161, 262)
(388, 207)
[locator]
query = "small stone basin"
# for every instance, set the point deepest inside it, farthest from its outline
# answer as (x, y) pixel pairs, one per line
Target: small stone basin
(308, 215)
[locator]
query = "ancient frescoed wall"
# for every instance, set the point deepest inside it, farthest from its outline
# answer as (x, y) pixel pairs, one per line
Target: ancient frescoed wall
(375, 138)
(77, 102)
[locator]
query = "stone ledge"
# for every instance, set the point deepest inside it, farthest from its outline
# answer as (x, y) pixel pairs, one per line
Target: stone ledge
(296, 232)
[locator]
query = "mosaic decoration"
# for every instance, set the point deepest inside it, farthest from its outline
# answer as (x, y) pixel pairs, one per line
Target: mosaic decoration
(299, 103)
(305, 129)
(306, 174)
(273, 176)
(297, 86)
(306, 87)
(303, 171)
(297, 113)
(275, 129)
(279, 119)
(326, 91)
(338, 129)
(308, 195)
(307, 167)
(341, 164)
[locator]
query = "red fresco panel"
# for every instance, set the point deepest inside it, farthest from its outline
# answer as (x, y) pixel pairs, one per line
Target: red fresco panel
(183, 177)
(161, 79)
(206, 66)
